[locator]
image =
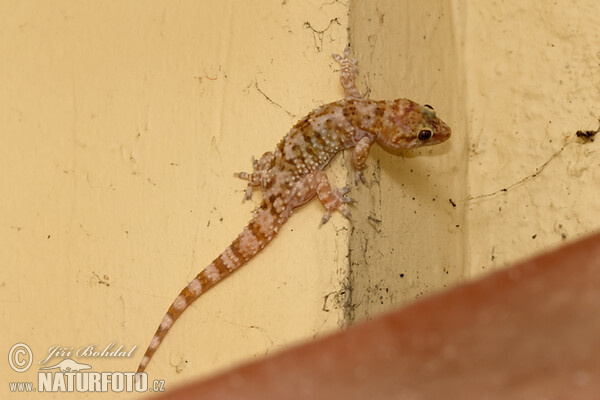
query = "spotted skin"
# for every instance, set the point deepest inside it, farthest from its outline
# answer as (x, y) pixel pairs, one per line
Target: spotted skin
(292, 174)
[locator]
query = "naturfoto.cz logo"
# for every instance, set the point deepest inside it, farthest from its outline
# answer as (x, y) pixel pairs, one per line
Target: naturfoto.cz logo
(68, 375)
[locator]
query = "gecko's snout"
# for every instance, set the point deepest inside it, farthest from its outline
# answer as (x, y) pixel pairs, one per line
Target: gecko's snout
(442, 132)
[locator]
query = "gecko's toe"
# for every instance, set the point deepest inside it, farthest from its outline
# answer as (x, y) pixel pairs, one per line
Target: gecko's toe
(340, 194)
(359, 177)
(345, 190)
(347, 51)
(248, 194)
(345, 213)
(325, 218)
(242, 175)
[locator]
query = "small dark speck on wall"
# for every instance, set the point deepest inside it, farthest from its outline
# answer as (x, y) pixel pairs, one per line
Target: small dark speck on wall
(587, 135)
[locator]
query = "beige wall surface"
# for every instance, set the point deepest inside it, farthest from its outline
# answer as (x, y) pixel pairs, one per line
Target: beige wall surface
(122, 123)
(408, 239)
(533, 73)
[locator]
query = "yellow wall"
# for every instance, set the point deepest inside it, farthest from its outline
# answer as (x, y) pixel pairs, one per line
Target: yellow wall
(408, 239)
(533, 82)
(122, 123)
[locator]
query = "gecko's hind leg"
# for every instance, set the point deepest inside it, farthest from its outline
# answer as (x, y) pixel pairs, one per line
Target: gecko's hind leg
(316, 183)
(333, 199)
(259, 176)
(251, 183)
(349, 71)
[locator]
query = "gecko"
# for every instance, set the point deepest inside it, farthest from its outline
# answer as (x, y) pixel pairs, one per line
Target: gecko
(292, 174)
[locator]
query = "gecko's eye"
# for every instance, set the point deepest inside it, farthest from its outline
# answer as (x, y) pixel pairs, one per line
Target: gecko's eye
(424, 135)
(428, 106)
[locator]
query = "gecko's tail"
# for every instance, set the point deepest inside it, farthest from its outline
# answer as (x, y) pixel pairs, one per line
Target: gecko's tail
(259, 232)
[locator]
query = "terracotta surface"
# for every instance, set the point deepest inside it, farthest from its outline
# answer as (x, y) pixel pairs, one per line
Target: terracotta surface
(528, 332)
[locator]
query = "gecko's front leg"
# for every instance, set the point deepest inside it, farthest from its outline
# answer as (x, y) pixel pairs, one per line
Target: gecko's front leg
(349, 70)
(360, 153)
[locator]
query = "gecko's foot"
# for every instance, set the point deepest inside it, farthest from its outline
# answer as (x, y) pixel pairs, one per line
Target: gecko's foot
(338, 204)
(247, 177)
(349, 70)
(243, 175)
(327, 215)
(342, 193)
(347, 61)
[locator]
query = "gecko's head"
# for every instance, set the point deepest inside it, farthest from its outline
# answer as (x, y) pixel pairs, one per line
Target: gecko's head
(407, 125)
